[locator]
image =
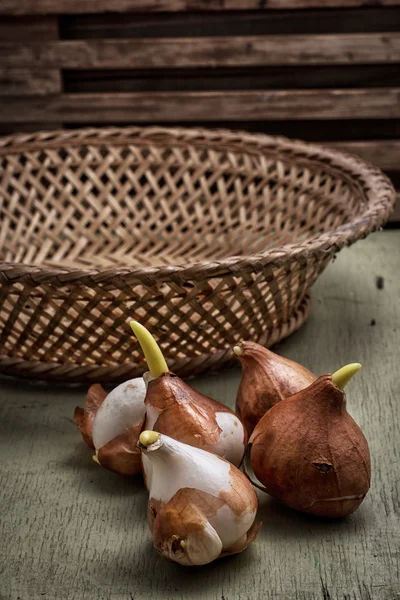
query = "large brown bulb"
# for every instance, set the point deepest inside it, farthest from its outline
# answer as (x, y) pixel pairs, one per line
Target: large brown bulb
(267, 378)
(310, 454)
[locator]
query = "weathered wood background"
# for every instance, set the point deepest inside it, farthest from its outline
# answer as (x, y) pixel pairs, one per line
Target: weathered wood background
(321, 70)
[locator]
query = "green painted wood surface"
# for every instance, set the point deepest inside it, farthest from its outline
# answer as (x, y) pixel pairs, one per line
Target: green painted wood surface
(70, 530)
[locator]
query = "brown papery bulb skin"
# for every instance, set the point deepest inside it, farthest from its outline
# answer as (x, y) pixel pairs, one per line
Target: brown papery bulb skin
(310, 454)
(111, 424)
(191, 417)
(267, 378)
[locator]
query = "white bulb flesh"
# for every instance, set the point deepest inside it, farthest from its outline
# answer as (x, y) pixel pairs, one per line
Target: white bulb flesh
(122, 409)
(147, 470)
(231, 442)
(175, 465)
(152, 415)
(203, 546)
(229, 526)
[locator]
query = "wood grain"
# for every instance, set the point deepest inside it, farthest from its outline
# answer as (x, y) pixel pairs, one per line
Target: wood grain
(385, 154)
(89, 81)
(205, 24)
(381, 103)
(28, 28)
(71, 530)
(320, 131)
(29, 82)
(34, 7)
(26, 127)
(226, 51)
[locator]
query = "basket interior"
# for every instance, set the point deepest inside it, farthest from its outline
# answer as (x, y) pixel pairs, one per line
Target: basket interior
(100, 206)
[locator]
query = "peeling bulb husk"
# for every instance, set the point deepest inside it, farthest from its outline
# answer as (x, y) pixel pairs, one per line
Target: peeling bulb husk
(84, 417)
(151, 350)
(341, 377)
(309, 453)
(200, 506)
(111, 424)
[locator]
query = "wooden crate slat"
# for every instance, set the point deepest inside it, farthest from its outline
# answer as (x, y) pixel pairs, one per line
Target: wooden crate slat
(26, 7)
(326, 132)
(205, 52)
(94, 81)
(28, 28)
(16, 128)
(29, 82)
(385, 154)
(395, 216)
(381, 103)
(24, 80)
(208, 24)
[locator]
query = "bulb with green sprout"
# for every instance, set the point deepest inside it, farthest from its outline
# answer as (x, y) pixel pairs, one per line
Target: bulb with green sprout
(309, 453)
(177, 410)
(200, 507)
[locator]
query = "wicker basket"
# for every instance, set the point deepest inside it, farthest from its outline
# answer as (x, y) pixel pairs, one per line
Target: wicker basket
(206, 237)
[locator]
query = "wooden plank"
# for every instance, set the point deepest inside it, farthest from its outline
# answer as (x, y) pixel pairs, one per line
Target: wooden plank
(205, 52)
(28, 28)
(25, 127)
(321, 132)
(73, 531)
(380, 103)
(329, 130)
(394, 176)
(395, 216)
(385, 154)
(89, 81)
(207, 24)
(34, 7)
(29, 82)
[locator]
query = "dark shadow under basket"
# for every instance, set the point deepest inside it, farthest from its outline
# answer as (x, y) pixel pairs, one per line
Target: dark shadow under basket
(205, 237)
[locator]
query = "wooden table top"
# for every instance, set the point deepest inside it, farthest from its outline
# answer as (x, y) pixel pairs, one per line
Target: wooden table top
(70, 530)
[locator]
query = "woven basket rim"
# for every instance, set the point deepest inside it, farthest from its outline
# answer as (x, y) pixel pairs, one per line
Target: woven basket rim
(377, 189)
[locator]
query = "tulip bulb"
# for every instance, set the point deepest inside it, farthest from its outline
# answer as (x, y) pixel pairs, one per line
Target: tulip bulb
(267, 378)
(200, 506)
(115, 425)
(309, 453)
(84, 417)
(177, 410)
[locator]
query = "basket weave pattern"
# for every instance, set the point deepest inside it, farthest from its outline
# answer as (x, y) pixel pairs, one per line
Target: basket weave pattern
(206, 237)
